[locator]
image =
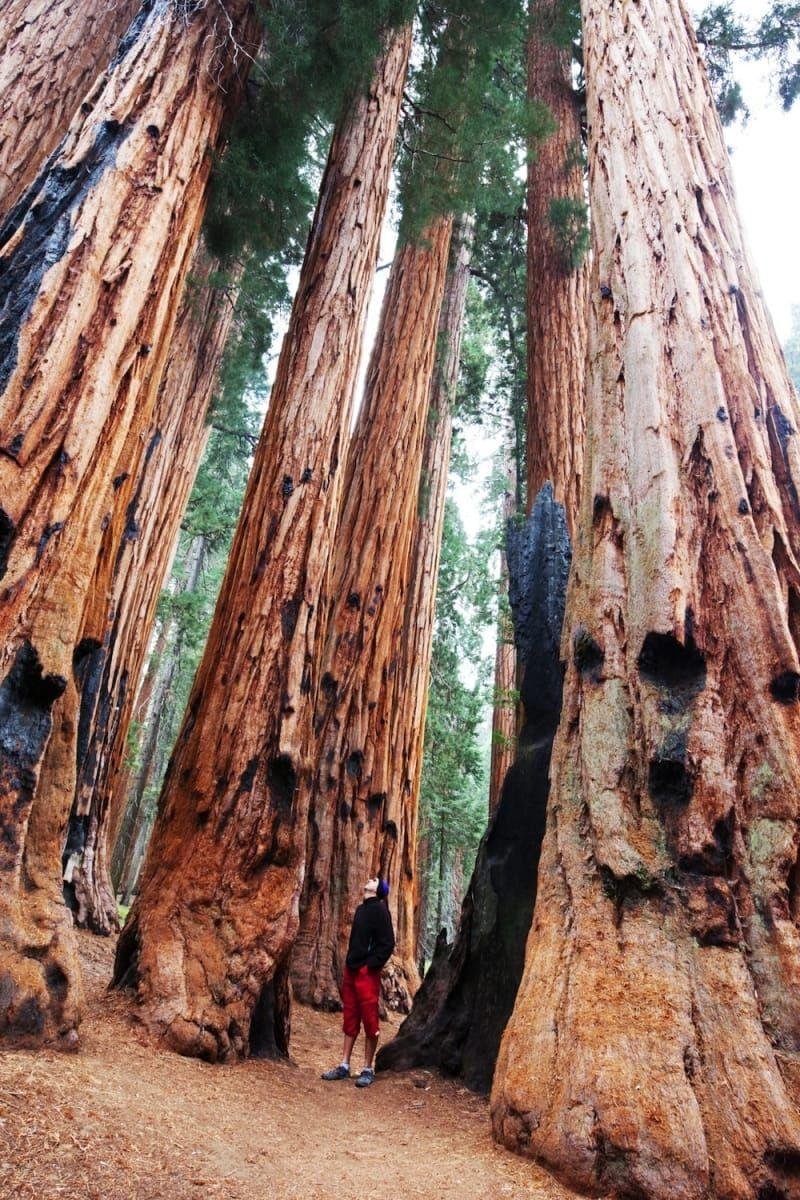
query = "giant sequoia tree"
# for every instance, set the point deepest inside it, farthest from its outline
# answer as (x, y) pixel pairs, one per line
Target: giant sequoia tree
(93, 262)
(51, 54)
(362, 811)
(653, 1049)
(357, 827)
(208, 939)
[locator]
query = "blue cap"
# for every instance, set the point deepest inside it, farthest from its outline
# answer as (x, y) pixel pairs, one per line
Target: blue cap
(382, 890)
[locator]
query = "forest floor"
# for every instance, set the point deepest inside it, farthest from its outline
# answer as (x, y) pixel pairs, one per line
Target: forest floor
(122, 1119)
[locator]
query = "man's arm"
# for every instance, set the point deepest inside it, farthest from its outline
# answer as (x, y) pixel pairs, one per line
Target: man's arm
(382, 938)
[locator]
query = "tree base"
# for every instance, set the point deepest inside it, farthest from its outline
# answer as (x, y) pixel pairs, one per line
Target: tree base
(233, 1023)
(41, 993)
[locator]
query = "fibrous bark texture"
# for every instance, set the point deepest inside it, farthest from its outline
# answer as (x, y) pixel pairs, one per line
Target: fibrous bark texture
(557, 286)
(504, 711)
(152, 488)
(361, 821)
(653, 1049)
(209, 936)
(51, 53)
(93, 266)
(467, 995)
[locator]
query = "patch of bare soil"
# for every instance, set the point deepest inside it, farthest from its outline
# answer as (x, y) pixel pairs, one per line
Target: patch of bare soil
(124, 1120)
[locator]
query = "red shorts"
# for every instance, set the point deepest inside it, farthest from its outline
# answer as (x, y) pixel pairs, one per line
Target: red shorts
(361, 989)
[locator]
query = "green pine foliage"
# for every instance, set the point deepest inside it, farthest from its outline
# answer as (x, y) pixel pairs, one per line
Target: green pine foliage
(454, 788)
(466, 103)
(316, 55)
(725, 36)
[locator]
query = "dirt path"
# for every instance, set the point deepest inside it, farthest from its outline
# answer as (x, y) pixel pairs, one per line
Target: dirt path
(122, 1120)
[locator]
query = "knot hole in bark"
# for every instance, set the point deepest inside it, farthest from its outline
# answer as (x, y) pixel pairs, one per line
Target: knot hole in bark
(587, 655)
(670, 665)
(785, 687)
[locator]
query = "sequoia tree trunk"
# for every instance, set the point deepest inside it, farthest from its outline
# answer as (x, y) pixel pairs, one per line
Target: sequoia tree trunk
(208, 938)
(51, 53)
(654, 1046)
(93, 267)
(134, 561)
(405, 729)
(460, 1011)
(557, 285)
(359, 818)
(504, 708)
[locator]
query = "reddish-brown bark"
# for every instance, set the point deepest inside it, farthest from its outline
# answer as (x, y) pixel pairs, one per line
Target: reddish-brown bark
(209, 936)
(51, 52)
(504, 713)
(405, 729)
(359, 820)
(557, 294)
(655, 1043)
(94, 271)
(138, 544)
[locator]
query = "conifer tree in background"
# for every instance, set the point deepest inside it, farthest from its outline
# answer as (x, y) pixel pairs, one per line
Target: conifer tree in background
(94, 263)
(792, 348)
(52, 56)
(157, 699)
(208, 938)
(726, 32)
(663, 959)
(362, 818)
(153, 483)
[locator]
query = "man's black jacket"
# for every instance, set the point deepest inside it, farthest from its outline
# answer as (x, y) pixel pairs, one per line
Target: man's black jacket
(372, 935)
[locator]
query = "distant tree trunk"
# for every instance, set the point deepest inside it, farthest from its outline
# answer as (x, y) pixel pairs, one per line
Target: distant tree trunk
(557, 290)
(94, 269)
(654, 1049)
(405, 729)
(504, 712)
(137, 819)
(210, 933)
(358, 823)
(51, 53)
(441, 878)
(134, 562)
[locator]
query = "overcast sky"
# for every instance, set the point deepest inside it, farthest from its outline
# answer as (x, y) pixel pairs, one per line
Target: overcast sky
(766, 169)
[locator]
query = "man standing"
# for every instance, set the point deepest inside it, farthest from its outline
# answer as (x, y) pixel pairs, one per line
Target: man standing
(371, 946)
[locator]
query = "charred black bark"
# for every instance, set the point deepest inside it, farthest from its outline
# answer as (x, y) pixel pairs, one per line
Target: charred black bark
(466, 998)
(27, 696)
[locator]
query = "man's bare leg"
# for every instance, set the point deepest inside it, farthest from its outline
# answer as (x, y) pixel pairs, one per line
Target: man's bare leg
(349, 1042)
(370, 1046)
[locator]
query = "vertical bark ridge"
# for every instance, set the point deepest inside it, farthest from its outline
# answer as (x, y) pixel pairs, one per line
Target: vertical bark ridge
(504, 714)
(655, 1043)
(51, 56)
(209, 936)
(121, 612)
(406, 727)
(356, 817)
(94, 268)
(557, 286)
